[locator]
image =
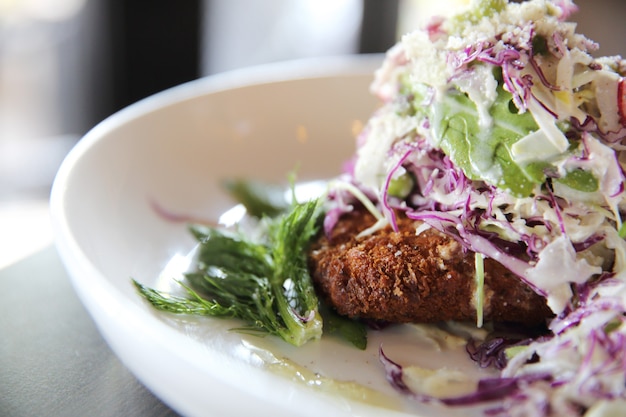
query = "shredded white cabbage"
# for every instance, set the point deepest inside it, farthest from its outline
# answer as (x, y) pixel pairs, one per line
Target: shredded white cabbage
(550, 183)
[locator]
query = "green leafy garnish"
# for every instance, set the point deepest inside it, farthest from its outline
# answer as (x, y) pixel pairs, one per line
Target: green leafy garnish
(540, 45)
(265, 284)
(580, 180)
(259, 198)
(350, 330)
(401, 186)
(479, 10)
(612, 326)
(484, 153)
(513, 351)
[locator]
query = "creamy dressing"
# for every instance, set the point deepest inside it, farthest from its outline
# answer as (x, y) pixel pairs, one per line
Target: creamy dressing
(435, 363)
(351, 390)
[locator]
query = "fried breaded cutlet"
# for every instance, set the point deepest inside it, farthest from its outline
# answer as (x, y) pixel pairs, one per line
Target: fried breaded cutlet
(404, 277)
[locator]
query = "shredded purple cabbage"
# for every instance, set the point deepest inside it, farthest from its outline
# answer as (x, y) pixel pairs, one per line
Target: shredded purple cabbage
(488, 389)
(492, 352)
(514, 232)
(388, 210)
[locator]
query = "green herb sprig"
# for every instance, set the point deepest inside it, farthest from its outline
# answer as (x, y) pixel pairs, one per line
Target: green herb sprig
(265, 284)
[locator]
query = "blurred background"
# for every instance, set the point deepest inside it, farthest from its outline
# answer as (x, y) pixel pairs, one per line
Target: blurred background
(67, 64)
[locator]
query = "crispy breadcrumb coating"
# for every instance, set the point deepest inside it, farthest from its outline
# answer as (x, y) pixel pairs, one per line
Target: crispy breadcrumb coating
(402, 277)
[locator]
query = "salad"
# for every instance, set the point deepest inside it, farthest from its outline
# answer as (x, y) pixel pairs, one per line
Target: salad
(499, 129)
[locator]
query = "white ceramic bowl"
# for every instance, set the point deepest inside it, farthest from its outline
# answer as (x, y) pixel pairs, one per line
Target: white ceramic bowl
(172, 149)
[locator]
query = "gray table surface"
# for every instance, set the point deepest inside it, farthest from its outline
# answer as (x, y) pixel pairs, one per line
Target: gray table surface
(53, 361)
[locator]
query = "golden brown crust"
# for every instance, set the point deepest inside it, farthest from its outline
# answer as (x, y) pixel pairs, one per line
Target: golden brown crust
(402, 277)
